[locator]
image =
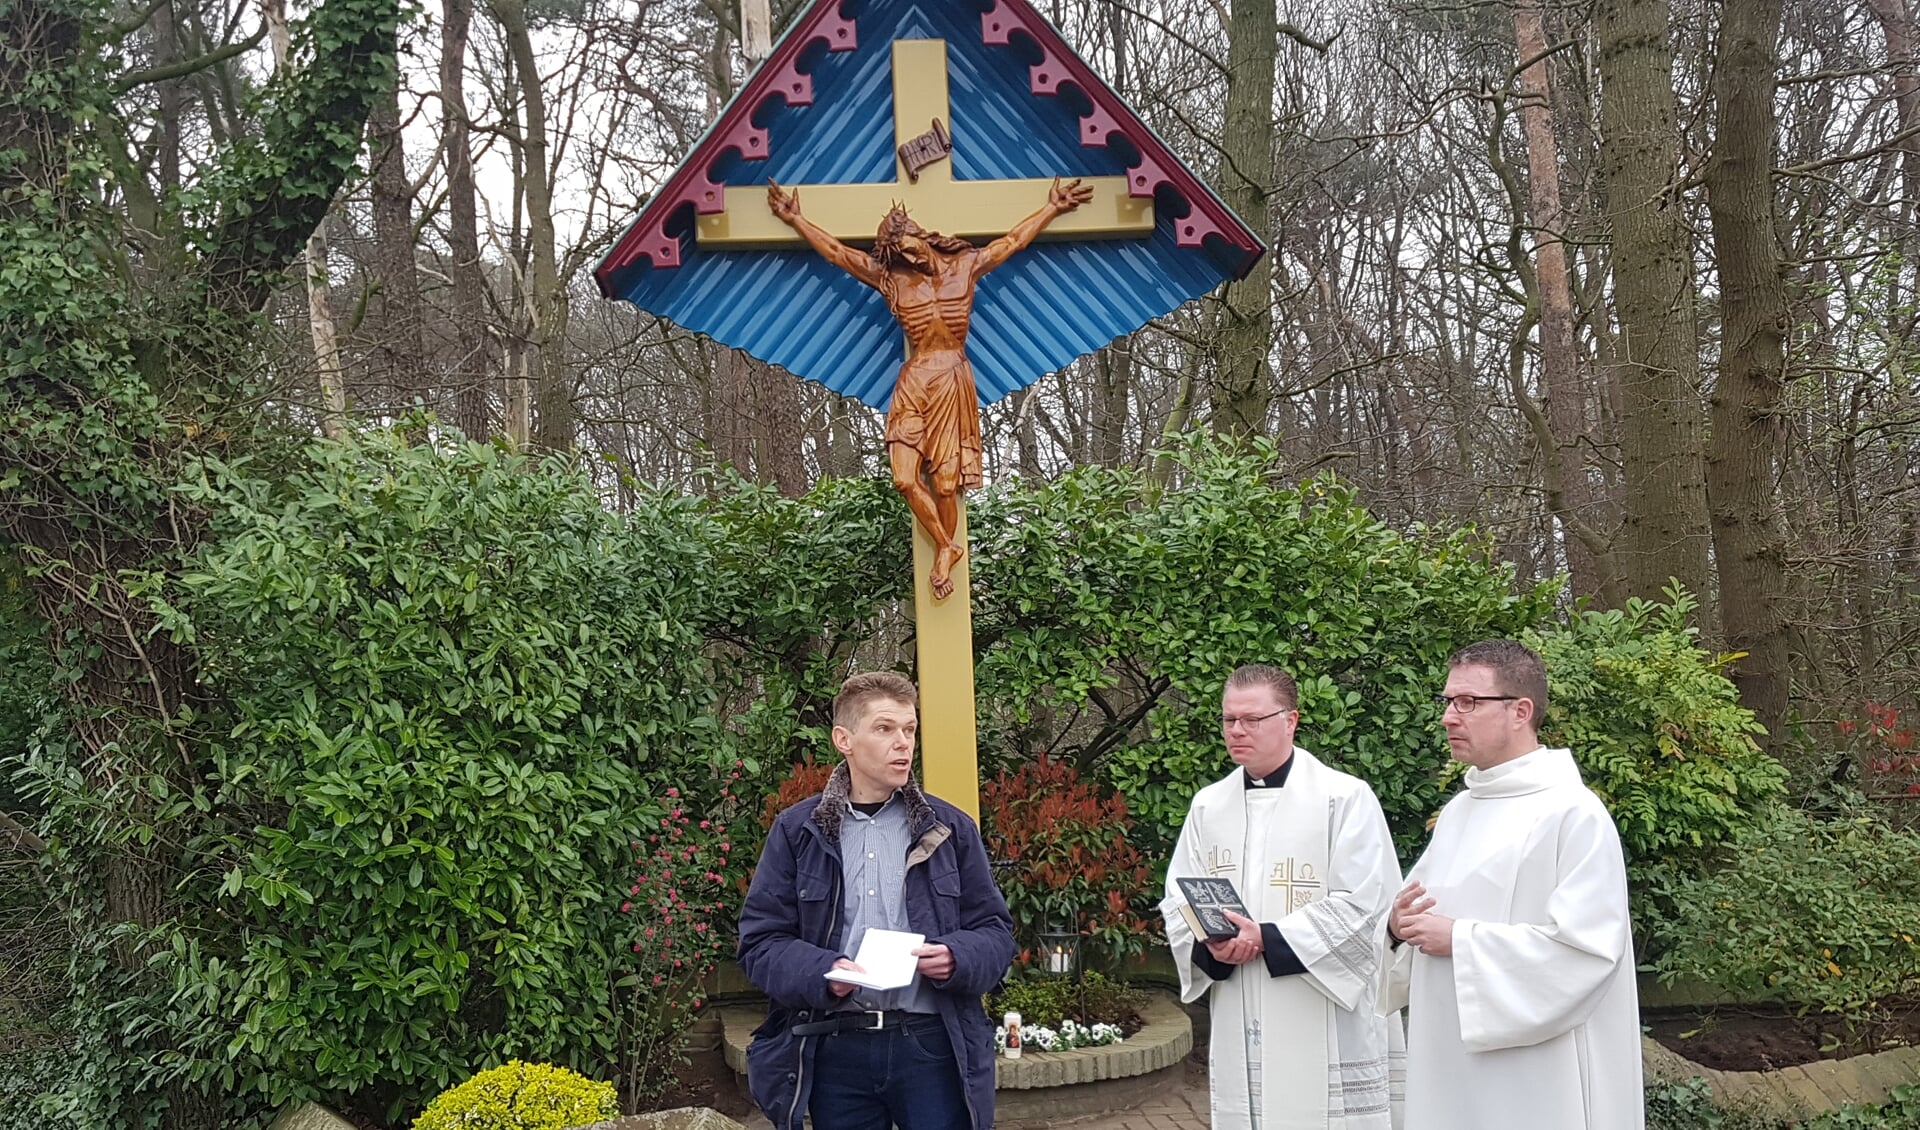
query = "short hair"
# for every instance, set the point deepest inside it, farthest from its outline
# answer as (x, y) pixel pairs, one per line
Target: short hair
(850, 705)
(1517, 670)
(1285, 691)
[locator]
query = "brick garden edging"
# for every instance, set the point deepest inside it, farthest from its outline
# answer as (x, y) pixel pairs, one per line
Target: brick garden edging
(1042, 1085)
(1809, 1088)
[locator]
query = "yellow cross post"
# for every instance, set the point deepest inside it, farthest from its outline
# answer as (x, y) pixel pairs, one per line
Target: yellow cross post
(970, 209)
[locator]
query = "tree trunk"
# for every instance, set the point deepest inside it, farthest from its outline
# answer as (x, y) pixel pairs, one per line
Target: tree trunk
(546, 307)
(1112, 394)
(1569, 491)
(472, 364)
(1665, 532)
(1749, 541)
(1897, 26)
(777, 430)
(1244, 385)
(729, 426)
(843, 452)
(399, 354)
(328, 368)
(330, 374)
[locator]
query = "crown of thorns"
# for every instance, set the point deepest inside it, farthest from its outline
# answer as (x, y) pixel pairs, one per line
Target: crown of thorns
(896, 224)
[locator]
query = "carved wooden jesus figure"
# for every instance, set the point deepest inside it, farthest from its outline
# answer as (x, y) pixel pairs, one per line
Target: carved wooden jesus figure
(933, 426)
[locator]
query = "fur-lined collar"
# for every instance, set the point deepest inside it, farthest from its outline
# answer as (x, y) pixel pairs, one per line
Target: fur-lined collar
(836, 800)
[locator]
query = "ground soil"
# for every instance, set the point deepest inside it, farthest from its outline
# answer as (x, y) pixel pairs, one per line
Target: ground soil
(1764, 1039)
(706, 1080)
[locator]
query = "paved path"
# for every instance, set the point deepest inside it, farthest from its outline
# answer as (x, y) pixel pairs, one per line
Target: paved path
(1185, 1109)
(1796, 1091)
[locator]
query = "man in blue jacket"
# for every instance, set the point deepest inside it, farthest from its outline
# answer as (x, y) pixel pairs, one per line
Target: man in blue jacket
(873, 851)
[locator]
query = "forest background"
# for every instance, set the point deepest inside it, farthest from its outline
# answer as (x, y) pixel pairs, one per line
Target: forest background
(1564, 304)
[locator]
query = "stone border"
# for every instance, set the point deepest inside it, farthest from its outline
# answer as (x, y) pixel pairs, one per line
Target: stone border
(1805, 1089)
(1162, 1042)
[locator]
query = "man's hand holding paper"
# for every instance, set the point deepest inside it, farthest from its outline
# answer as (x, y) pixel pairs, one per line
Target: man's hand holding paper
(887, 959)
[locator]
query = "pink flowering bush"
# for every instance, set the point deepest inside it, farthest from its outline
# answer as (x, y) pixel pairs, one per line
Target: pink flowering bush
(680, 912)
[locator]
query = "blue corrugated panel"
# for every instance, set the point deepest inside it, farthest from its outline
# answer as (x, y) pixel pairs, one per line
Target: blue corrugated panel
(1045, 307)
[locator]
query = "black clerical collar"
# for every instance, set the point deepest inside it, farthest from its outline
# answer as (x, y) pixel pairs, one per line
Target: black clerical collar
(1274, 780)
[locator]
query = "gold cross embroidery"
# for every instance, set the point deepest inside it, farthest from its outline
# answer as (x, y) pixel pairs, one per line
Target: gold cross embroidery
(1297, 880)
(970, 209)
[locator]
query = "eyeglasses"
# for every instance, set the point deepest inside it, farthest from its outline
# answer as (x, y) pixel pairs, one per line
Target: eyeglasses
(1250, 721)
(1464, 703)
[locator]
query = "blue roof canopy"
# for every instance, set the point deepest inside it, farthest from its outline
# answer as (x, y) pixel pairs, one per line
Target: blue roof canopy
(820, 111)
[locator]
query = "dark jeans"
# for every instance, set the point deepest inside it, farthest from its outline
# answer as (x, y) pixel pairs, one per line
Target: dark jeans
(907, 1077)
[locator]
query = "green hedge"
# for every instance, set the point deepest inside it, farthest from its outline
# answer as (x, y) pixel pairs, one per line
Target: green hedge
(1111, 612)
(1819, 913)
(1659, 733)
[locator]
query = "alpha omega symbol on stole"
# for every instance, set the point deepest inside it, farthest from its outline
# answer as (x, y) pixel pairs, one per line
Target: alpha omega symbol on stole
(1297, 880)
(1220, 861)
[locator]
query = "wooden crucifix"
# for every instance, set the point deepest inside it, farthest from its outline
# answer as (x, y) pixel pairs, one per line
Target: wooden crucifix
(928, 278)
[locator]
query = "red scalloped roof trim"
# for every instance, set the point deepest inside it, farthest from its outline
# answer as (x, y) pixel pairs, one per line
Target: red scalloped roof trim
(1207, 215)
(778, 77)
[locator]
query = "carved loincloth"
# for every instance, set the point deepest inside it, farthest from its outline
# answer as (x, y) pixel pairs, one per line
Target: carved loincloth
(936, 411)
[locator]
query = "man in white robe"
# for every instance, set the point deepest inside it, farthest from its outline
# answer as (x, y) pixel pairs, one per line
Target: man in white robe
(1511, 941)
(1296, 1041)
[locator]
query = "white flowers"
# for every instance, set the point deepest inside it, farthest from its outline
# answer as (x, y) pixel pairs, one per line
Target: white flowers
(1071, 1034)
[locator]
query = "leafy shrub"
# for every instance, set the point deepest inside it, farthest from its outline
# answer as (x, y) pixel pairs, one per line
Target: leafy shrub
(1658, 730)
(1688, 1105)
(450, 678)
(680, 922)
(1881, 743)
(806, 778)
(1048, 1001)
(441, 686)
(521, 1096)
(1901, 1111)
(1074, 863)
(1110, 613)
(794, 588)
(1820, 914)
(26, 1079)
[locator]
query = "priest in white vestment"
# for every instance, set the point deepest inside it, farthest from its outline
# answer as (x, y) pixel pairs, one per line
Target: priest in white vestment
(1297, 1043)
(1510, 945)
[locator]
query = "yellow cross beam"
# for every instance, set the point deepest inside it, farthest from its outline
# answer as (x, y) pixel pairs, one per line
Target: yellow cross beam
(970, 209)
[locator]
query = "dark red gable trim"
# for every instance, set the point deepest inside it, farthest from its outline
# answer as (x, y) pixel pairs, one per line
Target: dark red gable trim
(1206, 214)
(778, 77)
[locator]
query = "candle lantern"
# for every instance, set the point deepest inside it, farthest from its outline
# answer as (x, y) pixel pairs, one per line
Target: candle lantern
(1061, 949)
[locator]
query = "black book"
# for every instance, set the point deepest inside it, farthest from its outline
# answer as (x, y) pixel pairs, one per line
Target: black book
(1208, 900)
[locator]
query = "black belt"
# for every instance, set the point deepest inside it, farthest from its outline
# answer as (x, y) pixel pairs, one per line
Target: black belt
(872, 1020)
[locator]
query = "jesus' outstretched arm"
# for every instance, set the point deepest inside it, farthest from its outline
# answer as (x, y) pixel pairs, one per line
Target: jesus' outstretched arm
(785, 205)
(1061, 199)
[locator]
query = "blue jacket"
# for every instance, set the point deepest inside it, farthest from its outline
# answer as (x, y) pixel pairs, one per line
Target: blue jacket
(790, 923)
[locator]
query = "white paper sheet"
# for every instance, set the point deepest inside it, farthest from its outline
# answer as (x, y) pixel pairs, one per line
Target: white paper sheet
(886, 958)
